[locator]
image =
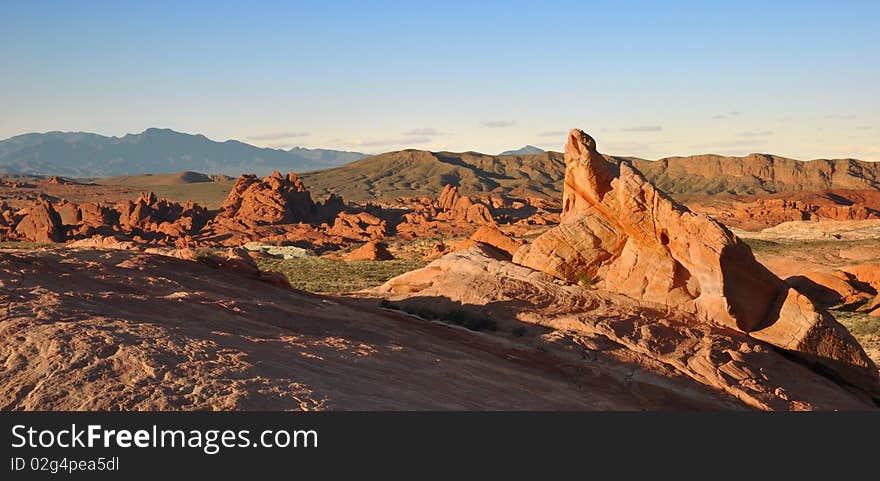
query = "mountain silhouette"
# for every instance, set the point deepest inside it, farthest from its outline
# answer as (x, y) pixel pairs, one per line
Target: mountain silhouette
(82, 154)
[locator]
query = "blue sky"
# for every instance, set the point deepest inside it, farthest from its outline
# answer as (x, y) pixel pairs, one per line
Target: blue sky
(649, 79)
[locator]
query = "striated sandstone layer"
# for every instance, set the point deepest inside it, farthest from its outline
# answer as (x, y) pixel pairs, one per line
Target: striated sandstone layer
(618, 233)
(127, 330)
(643, 342)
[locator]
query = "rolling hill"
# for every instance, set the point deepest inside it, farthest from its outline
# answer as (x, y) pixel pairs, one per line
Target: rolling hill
(422, 173)
(80, 154)
(416, 172)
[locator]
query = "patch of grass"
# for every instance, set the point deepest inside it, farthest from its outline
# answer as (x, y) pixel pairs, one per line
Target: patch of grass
(859, 324)
(317, 274)
(24, 245)
(585, 280)
(761, 245)
(865, 328)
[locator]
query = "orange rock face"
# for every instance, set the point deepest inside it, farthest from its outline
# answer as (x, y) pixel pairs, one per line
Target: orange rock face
(41, 223)
(371, 251)
(460, 207)
(621, 234)
(618, 233)
(275, 199)
(360, 226)
(491, 235)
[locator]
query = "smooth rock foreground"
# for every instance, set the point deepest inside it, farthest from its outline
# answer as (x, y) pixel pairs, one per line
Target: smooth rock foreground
(619, 234)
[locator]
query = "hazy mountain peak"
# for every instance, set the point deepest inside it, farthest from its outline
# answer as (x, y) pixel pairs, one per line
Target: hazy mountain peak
(526, 150)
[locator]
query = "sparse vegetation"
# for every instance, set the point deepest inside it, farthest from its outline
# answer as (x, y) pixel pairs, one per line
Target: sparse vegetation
(865, 328)
(585, 280)
(24, 245)
(317, 274)
(459, 317)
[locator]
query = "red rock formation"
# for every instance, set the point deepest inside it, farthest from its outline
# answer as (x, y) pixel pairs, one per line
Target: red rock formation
(360, 226)
(151, 215)
(605, 328)
(462, 208)
(371, 251)
(618, 233)
(41, 224)
(276, 199)
(759, 212)
(8, 221)
(69, 212)
(491, 235)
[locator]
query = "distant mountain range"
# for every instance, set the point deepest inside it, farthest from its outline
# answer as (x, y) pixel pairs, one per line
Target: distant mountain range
(85, 155)
(527, 150)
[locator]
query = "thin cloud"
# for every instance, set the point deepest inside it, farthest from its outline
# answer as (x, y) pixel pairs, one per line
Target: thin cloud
(279, 135)
(864, 127)
(423, 132)
(495, 124)
(389, 142)
(553, 133)
(643, 128)
(732, 113)
(756, 133)
(840, 116)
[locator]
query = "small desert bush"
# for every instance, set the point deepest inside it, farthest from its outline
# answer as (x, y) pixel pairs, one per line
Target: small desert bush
(25, 245)
(458, 317)
(585, 280)
(316, 274)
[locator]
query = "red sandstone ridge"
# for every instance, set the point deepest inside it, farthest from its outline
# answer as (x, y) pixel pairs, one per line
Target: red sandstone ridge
(759, 212)
(618, 233)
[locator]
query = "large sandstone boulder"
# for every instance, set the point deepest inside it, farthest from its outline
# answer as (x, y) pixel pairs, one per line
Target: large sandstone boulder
(601, 327)
(371, 251)
(623, 235)
(491, 235)
(618, 233)
(41, 223)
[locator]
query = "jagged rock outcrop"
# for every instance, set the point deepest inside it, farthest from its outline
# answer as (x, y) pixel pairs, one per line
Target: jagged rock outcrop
(461, 207)
(360, 226)
(41, 223)
(618, 233)
(151, 215)
(276, 199)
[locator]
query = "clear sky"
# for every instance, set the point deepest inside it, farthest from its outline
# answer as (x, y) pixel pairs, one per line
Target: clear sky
(649, 79)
